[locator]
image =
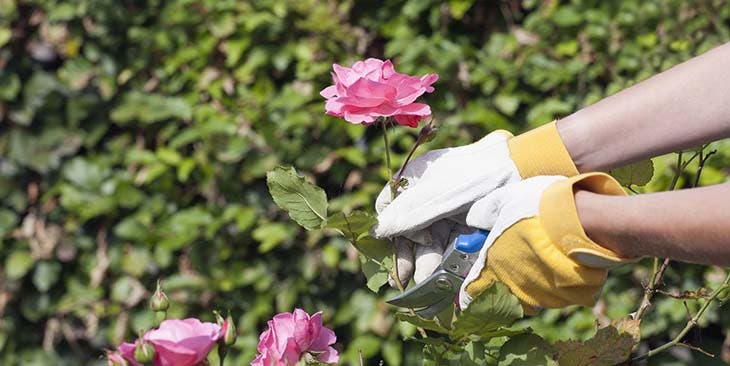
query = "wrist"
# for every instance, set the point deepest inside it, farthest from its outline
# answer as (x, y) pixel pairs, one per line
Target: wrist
(562, 224)
(593, 212)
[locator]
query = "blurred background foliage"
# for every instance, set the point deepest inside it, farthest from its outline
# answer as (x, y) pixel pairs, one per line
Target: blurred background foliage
(135, 136)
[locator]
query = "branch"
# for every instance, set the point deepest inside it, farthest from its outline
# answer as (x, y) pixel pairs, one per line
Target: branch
(650, 289)
(695, 348)
(701, 165)
(690, 324)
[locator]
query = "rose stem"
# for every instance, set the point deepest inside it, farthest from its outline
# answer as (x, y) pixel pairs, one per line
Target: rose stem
(387, 159)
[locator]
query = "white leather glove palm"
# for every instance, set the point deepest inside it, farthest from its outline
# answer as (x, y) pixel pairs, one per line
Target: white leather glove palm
(443, 184)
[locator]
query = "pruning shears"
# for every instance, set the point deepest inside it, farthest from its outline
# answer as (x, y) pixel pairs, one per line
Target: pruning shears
(439, 290)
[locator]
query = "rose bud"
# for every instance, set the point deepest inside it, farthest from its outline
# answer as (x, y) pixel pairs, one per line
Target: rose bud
(159, 300)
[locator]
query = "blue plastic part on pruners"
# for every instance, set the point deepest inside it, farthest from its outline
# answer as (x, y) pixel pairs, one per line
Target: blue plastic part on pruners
(471, 243)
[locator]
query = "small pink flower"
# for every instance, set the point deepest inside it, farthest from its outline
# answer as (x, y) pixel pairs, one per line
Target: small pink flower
(177, 342)
(372, 89)
(290, 335)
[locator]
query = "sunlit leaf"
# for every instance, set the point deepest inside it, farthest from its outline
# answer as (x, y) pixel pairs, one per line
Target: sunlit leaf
(305, 202)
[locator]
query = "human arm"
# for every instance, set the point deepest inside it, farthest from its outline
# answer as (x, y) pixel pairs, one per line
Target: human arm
(689, 225)
(682, 107)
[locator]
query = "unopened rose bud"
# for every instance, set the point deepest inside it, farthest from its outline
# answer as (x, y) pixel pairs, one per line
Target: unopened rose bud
(144, 352)
(159, 300)
(428, 133)
(115, 359)
(228, 329)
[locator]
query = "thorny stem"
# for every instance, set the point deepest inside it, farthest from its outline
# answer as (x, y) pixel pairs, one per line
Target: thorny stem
(690, 323)
(393, 187)
(424, 134)
(387, 159)
(650, 289)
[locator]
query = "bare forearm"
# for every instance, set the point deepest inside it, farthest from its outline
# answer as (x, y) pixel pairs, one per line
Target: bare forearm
(689, 225)
(685, 106)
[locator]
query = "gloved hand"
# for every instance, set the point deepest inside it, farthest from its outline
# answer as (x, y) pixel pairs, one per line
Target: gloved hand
(443, 184)
(427, 256)
(536, 244)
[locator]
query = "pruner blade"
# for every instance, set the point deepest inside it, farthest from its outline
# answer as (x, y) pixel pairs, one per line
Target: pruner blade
(439, 290)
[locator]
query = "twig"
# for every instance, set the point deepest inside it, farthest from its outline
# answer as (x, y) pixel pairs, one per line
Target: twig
(701, 165)
(701, 293)
(650, 289)
(695, 348)
(359, 353)
(690, 323)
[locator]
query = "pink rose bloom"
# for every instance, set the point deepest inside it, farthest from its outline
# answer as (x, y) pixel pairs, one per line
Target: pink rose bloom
(372, 89)
(178, 342)
(290, 335)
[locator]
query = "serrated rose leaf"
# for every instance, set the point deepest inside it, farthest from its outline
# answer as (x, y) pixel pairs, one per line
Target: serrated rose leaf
(489, 312)
(305, 202)
(526, 350)
(354, 225)
(429, 324)
(608, 347)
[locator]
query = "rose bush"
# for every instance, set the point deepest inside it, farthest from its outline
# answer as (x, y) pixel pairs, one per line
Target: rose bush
(372, 88)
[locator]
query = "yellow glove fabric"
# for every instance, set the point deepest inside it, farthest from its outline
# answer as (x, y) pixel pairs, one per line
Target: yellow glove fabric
(541, 152)
(546, 259)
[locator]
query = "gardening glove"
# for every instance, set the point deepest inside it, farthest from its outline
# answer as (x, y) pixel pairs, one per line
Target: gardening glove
(444, 183)
(537, 246)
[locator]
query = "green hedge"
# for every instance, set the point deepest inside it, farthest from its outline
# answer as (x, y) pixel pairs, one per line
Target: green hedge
(135, 137)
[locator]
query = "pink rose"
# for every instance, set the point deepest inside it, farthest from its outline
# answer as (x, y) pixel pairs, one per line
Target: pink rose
(290, 335)
(372, 89)
(177, 342)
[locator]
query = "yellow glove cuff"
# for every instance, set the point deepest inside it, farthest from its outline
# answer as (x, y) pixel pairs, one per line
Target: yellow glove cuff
(560, 220)
(541, 152)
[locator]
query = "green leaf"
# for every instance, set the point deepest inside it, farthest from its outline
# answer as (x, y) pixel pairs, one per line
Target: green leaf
(9, 84)
(150, 108)
(636, 174)
(271, 235)
(526, 350)
(459, 7)
(8, 220)
(429, 324)
(507, 103)
(45, 275)
(493, 309)
(18, 264)
(376, 274)
(567, 16)
(305, 202)
(607, 347)
(353, 225)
